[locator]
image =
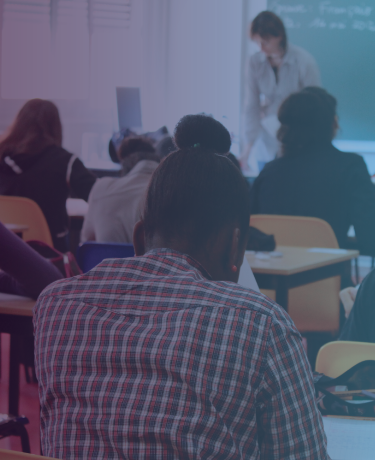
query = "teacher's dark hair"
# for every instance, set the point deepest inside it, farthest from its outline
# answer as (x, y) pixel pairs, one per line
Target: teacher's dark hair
(308, 121)
(268, 24)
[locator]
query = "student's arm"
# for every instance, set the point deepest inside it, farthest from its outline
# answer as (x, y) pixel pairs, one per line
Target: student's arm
(80, 180)
(27, 268)
(360, 326)
(362, 205)
(291, 425)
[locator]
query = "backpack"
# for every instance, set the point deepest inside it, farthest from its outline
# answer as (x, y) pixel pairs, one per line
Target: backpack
(66, 263)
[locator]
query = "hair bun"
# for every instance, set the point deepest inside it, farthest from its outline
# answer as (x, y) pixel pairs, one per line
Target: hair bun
(202, 131)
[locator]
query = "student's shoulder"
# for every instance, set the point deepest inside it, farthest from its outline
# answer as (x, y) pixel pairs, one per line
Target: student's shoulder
(232, 295)
(102, 185)
(349, 158)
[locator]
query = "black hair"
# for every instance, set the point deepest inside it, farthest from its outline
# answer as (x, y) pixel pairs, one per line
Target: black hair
(234, 160)
(165, 147)
(269, 24)
(307, 121)
(134, 144)
(194, 194)
(202, 131)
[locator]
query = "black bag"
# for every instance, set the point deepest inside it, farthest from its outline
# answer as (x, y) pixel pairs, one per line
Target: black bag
(350, 402)
(259, 241)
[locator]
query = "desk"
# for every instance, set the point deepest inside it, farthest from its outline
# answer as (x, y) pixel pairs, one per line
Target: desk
(297, 267)
(350, 438)
(16, 315)
(18, 229)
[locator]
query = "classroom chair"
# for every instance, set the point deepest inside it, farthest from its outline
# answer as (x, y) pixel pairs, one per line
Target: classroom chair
(13, 455)
(15, 426)
(91, 253)
(23, 211)
(314, 307)
(335, 358)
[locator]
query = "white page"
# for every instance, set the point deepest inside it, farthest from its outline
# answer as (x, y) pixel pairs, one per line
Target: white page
(350, 439)
(246, 278)
(328, 250)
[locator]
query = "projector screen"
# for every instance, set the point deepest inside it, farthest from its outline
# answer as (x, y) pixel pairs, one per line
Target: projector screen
(340, 34)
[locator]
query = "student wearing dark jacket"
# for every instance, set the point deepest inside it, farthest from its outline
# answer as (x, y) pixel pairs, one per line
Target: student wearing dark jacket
(34, 165)
(313, 178)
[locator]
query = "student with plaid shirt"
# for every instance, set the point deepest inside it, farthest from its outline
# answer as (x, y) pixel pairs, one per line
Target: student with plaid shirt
(164, 355)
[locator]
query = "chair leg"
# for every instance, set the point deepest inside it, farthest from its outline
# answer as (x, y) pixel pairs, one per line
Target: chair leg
(20, 430)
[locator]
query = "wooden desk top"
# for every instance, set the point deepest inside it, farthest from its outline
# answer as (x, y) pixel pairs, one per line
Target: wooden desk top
(16, 228)
(296, 260)
(16, 305)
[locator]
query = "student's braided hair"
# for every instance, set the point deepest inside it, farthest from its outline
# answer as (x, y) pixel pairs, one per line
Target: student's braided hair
(197, 191)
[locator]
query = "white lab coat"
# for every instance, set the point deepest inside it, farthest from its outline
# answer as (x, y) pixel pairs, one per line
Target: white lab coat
(264, 95)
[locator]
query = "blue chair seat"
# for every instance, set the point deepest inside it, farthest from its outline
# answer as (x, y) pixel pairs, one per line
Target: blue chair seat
(91, 253)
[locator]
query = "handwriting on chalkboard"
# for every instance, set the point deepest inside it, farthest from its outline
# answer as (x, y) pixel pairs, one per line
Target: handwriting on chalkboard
(326, 15)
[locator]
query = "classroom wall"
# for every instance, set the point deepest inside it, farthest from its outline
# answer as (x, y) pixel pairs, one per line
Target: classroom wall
(185, 56)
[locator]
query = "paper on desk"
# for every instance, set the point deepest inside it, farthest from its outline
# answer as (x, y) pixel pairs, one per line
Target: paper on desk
(350, 439)
(327, 250)
(246, 278)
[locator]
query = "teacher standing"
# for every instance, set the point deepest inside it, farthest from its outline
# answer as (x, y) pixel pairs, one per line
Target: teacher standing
(274, 73)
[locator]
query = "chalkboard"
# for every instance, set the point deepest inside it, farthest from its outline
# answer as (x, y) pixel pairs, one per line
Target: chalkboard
(341, 36)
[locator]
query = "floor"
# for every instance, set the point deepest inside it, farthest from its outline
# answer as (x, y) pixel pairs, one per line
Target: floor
(29, 402)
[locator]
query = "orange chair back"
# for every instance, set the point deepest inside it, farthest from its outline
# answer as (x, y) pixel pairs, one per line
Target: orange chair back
(335, 358)
(316, 306)
(23, 211)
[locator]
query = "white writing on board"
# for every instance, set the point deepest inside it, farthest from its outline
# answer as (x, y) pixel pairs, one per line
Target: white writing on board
(350, 11)
(326, 15)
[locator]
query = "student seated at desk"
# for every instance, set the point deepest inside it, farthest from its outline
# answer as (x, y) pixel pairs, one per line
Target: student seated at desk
(164, 355)
(115, 203)
(313, 178)
(360, 325)
(22, 270)
(34, 165)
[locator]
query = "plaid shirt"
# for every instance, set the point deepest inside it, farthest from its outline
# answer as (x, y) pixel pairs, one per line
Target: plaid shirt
(148, 358)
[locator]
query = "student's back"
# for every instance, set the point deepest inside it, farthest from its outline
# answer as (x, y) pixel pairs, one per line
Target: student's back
(317, 180)
(115, 203)
(34, 165)
(164, 355)
(331, 185)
